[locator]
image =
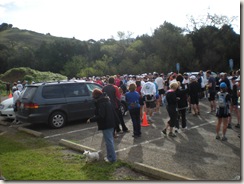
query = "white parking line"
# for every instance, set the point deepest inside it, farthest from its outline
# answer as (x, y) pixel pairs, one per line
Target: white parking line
(201, 125)
(135, 145)
(56, 135)
(152, 140)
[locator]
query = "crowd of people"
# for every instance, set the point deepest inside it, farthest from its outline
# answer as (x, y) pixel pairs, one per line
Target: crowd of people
(180, 93)
(145, 93)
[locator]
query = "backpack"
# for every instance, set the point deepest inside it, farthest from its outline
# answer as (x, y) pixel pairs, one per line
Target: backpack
(222, 100)
(149, 98)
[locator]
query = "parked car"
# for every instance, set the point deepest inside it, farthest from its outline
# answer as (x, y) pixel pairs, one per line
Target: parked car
(56, 103)
(124, 107)
(204, 75)
(6, 108)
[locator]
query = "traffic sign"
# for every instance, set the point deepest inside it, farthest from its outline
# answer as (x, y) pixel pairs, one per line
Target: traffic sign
(178, 67)
(231, 63)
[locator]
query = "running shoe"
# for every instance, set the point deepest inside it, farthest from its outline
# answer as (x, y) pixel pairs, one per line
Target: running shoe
(171, 134)
(224, 138)
(164, 131)
(229, 126)
(217, 137)
(238, 125)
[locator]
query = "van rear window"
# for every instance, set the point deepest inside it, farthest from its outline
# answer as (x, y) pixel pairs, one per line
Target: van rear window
(28, 92)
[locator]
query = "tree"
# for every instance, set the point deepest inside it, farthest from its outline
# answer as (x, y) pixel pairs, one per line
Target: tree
(5, 53)
(73, 67)
(5, 26)
(208, 20)
(214, 47)
(172, 47)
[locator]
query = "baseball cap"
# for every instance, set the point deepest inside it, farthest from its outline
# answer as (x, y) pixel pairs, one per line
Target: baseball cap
(193, 77)
(222, 85)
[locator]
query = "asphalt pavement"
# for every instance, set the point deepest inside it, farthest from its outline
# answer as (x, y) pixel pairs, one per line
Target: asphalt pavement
(194, 154)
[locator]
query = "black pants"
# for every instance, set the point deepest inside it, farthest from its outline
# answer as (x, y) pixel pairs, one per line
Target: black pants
(120, 121)
(182, 115)
(135, 118)
(172, 115)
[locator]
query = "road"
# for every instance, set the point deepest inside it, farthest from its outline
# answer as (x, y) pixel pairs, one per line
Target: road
(194, 153)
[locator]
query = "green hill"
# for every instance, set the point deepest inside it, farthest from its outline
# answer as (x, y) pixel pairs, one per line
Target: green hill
(15, 36)
(22, 73)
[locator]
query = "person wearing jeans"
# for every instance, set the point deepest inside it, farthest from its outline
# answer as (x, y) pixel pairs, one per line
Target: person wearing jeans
(105, 118)
(108, 137)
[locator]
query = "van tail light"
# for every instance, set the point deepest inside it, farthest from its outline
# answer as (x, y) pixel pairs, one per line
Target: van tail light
(31, 106)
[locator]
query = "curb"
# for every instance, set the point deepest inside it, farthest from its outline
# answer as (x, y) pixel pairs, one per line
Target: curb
(139, 167)
(75, 146)
(32, 132)
(158, 173)
(2, 133)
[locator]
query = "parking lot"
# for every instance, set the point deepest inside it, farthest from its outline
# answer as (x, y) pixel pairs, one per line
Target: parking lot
(194, 153)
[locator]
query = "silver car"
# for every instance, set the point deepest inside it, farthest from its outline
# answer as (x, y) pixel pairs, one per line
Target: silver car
(6, 108)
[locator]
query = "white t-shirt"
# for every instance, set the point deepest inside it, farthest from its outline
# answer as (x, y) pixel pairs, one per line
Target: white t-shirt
(148, 89)
(160, 82)
(130, 82)
(185, 82)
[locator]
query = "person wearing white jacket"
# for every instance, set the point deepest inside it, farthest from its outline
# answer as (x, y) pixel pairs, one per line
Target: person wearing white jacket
(16, 94)
(148, 92)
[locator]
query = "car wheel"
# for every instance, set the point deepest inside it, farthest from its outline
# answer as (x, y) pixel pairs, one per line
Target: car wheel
(123, 108)
(57, 119)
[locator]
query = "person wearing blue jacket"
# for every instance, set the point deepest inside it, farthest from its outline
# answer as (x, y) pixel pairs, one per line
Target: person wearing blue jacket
(132, 99)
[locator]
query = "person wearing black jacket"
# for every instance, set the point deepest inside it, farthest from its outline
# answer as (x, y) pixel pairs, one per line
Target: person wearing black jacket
(115, 96)
(182, 105)
(194, 88)
(171, 108)
(105, 118)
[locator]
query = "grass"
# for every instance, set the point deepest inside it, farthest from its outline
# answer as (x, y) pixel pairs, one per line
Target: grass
(23, 157)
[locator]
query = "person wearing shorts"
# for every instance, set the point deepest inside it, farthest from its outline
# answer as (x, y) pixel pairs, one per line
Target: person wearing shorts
(148, 92)
(223, 113)
(160, 83)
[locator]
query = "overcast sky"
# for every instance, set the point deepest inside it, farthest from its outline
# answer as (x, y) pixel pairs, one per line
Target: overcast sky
(102, 19)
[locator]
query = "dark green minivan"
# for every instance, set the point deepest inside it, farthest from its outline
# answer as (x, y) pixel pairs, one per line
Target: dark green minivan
(56, 103)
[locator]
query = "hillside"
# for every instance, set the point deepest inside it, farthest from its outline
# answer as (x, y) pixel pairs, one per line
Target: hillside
(202, 49)
(13, 36)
